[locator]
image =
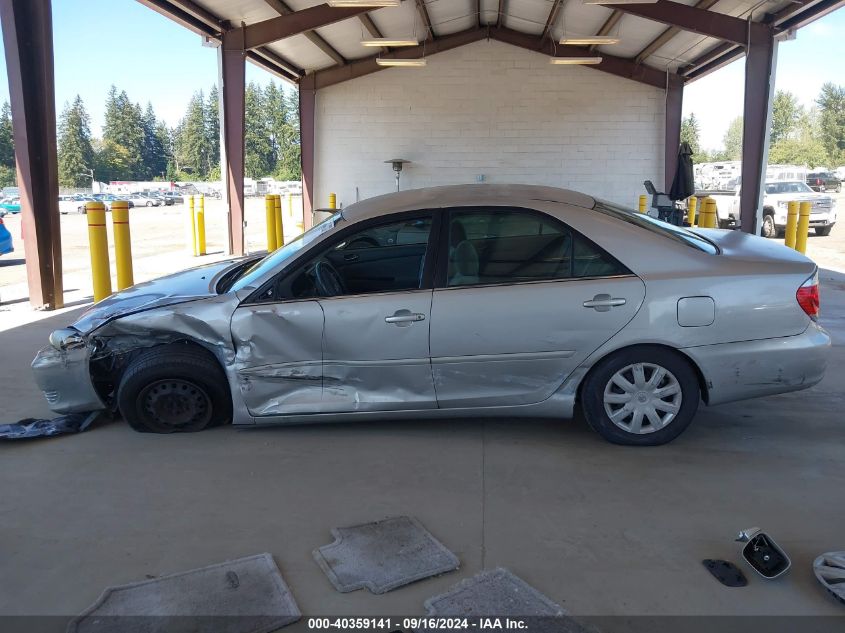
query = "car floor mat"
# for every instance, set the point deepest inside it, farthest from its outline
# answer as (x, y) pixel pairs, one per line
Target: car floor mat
(725, 572)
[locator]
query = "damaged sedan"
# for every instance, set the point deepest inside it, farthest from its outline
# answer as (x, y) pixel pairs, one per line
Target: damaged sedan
(469, 300)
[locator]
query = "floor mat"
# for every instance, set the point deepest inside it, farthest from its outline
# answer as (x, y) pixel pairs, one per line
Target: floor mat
(498, 593)
(247, 595)
(383, 555)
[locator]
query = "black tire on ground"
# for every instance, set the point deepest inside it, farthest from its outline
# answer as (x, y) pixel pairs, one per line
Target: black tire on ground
(769, 229)
(149, 204)
(593, 393)
(174, 388)
(838, 188)
(823, 230)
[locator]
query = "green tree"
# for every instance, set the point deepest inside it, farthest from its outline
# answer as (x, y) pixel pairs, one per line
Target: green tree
(76, 153)
(212, 129)
(191, 147)
(8, 172)
(733, 140)
(257, 143)
(155, 152)
(123, 139)
(831, 102)
(690, 133)
(785, 114)
(289, 166)
(803, 146)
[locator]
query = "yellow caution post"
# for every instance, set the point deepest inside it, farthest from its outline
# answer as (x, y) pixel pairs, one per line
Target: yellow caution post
(791, 224)
(270, 222)
(277, 221)
(191, 229)
(332, 201)
(708, 218)
(692, 207)
(803, 226)
(122, 244)
(98, 242)
(642, 204)
(201, 227)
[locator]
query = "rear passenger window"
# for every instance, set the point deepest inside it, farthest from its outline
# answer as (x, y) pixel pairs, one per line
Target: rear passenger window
(510, 245)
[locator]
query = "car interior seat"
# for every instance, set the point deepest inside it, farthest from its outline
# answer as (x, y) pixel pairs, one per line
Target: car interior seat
(463, 257)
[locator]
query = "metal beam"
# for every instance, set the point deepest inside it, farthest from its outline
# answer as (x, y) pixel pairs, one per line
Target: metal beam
(296, 23)
(757, 118)
(28, 41)
(361, 67)
(610, 64)
(803, 12)
(672, 134)
(662, 39)
(182, 17)
(315, 38)
(550, 21)
(608, 25)
(233, 88)
(270, 62)
(426, 20)
(478, 13)
(709, 23)
(307, 119)
(503, 9)
(720, 61)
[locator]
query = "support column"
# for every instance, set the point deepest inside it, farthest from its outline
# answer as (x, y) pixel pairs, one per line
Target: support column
(760, 64)
(233, 88)
(307, 104)
(28, 39)
(672, 136)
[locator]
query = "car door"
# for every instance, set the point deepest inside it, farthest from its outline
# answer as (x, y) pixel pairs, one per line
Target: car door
(375, 342)
(521, 300)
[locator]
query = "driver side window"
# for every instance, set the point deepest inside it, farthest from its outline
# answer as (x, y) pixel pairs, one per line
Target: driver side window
(382, 258)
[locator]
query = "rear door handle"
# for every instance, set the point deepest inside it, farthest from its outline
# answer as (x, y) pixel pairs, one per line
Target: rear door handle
(404, 318)
(603, 302)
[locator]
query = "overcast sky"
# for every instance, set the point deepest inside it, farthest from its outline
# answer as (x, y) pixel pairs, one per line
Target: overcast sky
(103, 42)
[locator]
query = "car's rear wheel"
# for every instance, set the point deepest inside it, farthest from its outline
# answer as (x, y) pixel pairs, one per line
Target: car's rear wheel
(769, 229)
(174, 389)
(823, 230)
(641, 396)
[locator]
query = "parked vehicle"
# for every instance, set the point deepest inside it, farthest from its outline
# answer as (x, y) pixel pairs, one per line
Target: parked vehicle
(6, 244)
(824, 181)
(511, 300)
(173, 198)
(11, 204)
(776, 199)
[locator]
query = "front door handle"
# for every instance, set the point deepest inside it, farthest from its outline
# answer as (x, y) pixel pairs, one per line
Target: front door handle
(603, 303)
(404, 318)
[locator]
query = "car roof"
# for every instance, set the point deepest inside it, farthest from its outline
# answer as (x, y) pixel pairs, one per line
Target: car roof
(464, 196)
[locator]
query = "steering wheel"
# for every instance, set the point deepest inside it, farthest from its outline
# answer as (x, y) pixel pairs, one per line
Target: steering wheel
(329, 282)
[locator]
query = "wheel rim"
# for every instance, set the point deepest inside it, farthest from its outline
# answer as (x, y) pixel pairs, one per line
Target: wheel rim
(642, 398)
(768, 225)
(176, 405)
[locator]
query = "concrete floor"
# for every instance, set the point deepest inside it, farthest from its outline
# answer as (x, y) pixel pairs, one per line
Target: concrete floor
(601, 529)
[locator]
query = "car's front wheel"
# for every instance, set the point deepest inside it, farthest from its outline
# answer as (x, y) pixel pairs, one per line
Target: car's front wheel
(641, 396)
(769, 229)
(173, 389)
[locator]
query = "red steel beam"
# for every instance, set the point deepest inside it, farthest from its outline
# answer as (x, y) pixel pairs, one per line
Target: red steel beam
(233, 89)
(608, 25)
(315, 38)
(709, 23)
(307, 119)
(296, 23)
(28, 41)
(664, 38)
(550, 21)
(426, 20)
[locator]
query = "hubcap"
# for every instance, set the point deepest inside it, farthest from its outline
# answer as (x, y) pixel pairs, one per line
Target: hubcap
(177, 405)
(642, 398)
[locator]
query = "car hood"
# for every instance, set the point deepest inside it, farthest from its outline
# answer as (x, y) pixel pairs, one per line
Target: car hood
(187, 285)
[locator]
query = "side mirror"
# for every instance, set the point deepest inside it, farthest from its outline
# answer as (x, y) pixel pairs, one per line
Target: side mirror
(763, 554)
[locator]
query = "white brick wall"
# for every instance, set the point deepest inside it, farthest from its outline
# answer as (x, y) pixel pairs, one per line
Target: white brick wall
(489, 109)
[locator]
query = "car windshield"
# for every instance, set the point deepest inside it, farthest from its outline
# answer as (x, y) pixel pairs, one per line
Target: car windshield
(787, 187)
(677, 233)
(275, 259)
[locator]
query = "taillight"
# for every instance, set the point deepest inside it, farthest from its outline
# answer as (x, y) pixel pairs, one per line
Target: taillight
(808, 297)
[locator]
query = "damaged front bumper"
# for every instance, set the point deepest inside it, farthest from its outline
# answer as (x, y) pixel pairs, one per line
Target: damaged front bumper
(64, 377)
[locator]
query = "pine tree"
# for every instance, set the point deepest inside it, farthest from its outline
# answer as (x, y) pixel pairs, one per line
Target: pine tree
(7, 148)
(785, 114)
(212, 127)
(257, 144)
(76, 154)
(123, 138)
(289, 167)
(831, 102)
(154, 157)
(192, 148)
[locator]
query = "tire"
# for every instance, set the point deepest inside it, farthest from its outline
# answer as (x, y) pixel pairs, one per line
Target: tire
(173, 389)
(838, 188)
(823, 231)
(769, 229)
(149, 204)
(674, 412)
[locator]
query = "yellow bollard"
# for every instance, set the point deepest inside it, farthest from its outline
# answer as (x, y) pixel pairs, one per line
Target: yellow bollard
(642, 204)
(692, 206)
(332, 201)
(270, 222)
(122, 244)
(201, 227)
(708, 218)
(791, 224)
(803, 227)
(98, 241)
(191, 229)
(277, 221)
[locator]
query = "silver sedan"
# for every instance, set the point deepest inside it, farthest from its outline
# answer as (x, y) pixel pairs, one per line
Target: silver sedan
(477, 300)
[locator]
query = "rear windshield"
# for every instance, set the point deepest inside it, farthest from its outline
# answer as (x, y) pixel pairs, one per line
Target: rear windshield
(643, 221)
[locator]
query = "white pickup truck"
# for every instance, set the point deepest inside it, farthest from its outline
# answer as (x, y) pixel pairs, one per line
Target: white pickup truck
(776, 198)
